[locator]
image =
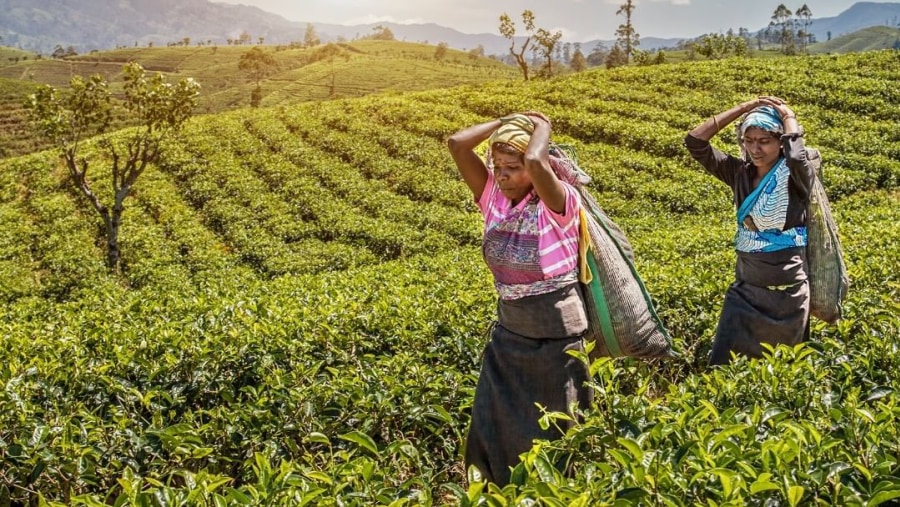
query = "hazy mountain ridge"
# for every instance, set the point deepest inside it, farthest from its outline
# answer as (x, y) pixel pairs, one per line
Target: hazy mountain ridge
(40, 25)
(873, 38)
(860, 15)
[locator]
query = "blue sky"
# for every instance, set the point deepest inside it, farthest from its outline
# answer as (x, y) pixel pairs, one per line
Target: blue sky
(579, 20)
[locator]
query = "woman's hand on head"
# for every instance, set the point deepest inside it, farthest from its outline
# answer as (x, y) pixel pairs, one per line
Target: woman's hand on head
(771, 100)
(784, 111)
(762, 100)
(776, 103)
(537, 115)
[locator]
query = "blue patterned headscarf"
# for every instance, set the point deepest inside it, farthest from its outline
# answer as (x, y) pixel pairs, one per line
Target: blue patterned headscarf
(765, 118)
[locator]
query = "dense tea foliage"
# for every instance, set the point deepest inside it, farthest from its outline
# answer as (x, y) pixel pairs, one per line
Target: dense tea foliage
(303, 305)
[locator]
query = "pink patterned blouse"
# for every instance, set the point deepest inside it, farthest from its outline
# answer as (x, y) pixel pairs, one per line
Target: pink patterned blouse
(529, 248)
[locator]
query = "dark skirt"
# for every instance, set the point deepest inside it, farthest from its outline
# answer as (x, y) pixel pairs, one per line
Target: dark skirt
(516, 373)
(755, 315)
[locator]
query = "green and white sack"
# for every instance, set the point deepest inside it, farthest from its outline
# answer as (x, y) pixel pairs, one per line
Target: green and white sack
(621, 318)
(828, 280)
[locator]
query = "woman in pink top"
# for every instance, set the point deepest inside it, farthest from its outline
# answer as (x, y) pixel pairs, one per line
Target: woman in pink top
(531, 247)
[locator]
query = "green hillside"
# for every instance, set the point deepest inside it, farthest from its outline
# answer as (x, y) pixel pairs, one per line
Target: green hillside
(15, 137)
(11, 56)
(354, 68)
(868, 39)
(326, 72)
(303, 304)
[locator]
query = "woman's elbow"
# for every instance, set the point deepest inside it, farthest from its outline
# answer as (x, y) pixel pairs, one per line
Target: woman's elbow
(455, 144)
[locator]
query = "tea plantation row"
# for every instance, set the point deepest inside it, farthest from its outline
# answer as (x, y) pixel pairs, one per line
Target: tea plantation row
(303, 305)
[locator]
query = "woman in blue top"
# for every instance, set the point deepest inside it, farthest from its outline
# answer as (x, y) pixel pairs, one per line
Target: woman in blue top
(768, 302)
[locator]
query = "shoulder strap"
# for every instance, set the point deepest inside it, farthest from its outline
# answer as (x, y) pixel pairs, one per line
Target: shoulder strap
(814, 157)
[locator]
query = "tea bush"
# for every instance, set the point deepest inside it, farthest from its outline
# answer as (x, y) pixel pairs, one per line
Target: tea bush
(303, 305)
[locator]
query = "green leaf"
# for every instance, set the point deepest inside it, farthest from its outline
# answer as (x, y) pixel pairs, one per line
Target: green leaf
(710, 408)
(680, 453)
(772, 413)
(885, 490)
(865, 414)
(363, 440)
(795, 494)
(758, 486)
(236, 496)
(319, 438)
(726, 478)
(217, 483)
(879, 393)
(319, 476)
(633, 447)
(545, 470)
(310, 496)
(883, 496)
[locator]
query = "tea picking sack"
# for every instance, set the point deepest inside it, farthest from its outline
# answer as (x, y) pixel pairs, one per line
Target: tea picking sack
(828, 280)
(621, 318)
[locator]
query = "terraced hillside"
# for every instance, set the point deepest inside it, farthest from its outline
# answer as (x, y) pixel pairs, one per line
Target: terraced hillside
(326, 72)
(303, 305)
(16, 138)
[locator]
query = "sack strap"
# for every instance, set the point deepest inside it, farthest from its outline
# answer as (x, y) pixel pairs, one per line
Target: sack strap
(584, 245)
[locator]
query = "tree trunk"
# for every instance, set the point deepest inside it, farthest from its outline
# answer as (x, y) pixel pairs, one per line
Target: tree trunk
(112, 239)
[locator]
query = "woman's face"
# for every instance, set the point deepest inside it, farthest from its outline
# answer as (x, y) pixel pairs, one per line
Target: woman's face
(763, 148)
(511, 176)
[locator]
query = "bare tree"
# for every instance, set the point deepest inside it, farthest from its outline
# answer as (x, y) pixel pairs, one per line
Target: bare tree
(546, 43)
(440, 52)
(67, 120)
(508, 30)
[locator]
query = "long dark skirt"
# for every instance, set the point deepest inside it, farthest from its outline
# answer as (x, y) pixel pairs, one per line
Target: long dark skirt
(755, 315)
(516, 373)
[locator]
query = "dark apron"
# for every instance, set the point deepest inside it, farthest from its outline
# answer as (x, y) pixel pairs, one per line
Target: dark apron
(522, 368)
(767, 303)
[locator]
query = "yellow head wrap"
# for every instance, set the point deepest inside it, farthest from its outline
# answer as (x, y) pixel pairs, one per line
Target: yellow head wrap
(514, 130)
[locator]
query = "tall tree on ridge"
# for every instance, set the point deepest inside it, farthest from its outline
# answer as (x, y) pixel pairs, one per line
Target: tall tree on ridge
(626, 36)
(310, 37)
(781, 19)
(257, 64)
(805, 14)
(546, 43)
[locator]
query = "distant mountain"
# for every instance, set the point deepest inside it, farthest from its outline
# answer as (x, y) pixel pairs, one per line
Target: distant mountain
(867, 39)
(41, 25)
(431, 33)
(860, 15)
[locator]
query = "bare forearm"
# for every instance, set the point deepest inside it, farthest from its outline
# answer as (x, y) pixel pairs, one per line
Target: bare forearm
(537, 163)
(462, 148)
(470, 137)
(718, 121)
(539, 144)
